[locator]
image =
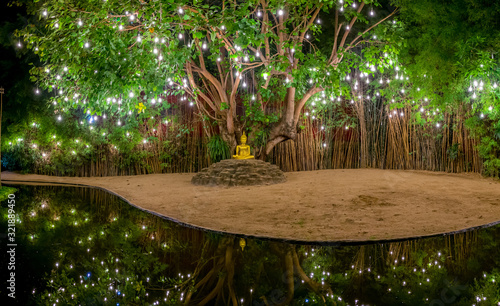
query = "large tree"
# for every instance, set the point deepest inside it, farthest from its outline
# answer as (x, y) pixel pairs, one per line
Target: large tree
(236, 61)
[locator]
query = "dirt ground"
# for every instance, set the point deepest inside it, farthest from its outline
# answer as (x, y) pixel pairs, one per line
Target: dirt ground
(326, 205)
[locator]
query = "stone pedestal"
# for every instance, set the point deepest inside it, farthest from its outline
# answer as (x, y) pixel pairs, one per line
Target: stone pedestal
(236, 172)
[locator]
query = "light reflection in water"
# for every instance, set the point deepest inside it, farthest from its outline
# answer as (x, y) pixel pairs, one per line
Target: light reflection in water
(85, 246)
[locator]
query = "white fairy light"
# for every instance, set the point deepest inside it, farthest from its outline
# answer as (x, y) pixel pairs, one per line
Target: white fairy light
(132, 17)
(204, 46)
(180, 36)
(139, 39)
(181, 11)
(56, 25)
(86, 45)
(120, 27)
(59, 118)
(280, 12)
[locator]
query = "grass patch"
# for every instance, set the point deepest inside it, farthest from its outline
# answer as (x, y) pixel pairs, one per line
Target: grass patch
(300, 222)
(5, 191)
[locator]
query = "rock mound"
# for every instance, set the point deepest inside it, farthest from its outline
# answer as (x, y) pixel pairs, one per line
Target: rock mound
(236, 172)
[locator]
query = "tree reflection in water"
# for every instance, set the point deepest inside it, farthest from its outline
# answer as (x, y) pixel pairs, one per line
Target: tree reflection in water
(80, 246)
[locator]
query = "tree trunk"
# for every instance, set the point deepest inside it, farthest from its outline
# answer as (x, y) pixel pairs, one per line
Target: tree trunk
(283, 130)
(286, 128)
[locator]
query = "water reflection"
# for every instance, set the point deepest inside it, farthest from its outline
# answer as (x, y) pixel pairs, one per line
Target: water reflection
(79, 246)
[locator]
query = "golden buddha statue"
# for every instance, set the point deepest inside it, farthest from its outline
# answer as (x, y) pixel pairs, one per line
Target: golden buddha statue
(243, 150)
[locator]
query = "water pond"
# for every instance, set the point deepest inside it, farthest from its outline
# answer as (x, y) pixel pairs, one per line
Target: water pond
(82, 246)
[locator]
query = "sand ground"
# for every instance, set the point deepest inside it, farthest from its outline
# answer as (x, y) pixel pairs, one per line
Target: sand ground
(326, 205)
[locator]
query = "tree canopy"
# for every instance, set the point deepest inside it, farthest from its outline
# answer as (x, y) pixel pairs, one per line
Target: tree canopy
(113, 59)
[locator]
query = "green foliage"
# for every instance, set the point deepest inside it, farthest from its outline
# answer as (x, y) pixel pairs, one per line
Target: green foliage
(218, 149)
(6, 191)
(453, 151)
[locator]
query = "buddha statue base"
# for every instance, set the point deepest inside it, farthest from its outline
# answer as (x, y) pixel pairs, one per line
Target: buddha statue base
(243, 157)
(239, 172)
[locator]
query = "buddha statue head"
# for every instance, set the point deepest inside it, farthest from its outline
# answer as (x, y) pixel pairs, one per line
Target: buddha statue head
(243, 139)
